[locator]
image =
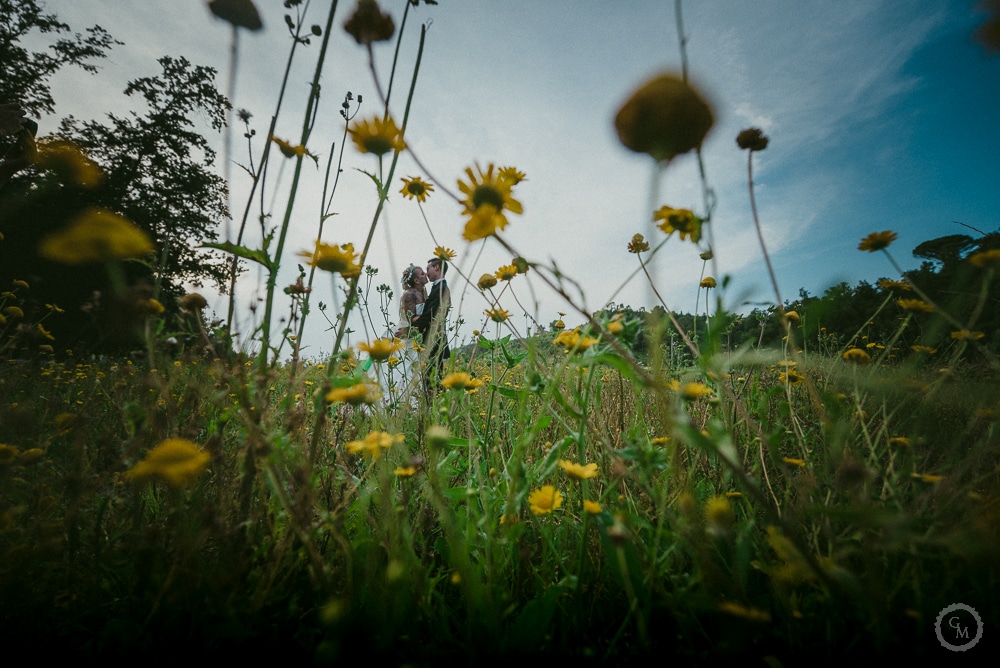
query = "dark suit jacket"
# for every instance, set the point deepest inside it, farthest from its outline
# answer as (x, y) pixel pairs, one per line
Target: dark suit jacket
(431, 316)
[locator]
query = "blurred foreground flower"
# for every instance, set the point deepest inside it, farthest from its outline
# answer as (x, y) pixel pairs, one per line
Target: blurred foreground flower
(175, 461)
(377, 135)
(94, 236)
(369, 23)
(752, 139)
(578, 471)
(355, 395)
(373, 444)
(67, 160)
(381, 349)
(487, 197)
(857, 356)
(876, 241)
(544, 500)
(664, 117)
(679, 220)
(241, 13)
(330, 257)
(460, 380)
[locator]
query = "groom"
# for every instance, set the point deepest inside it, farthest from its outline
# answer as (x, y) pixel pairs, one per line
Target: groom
(431, 323)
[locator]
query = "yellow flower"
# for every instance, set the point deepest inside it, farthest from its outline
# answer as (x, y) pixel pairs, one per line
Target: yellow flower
(487, 281)
(405, 471)
(559, 324)
(751, 614)
(889, 284)
(355, 395)
(487, 198)
(638, 244)
(506, 272)
(578, 471)
(444, 254)
(928, 477)
(794, 462)
(193, 302)
(150, 307)
(373, 444)
(8, 453)
(966, 335)
(792, 377)
(574, 341)
(616, 327)
(288, 150)
(369, 23)
(693, 391)
(857, 356)
(927, 350)
(381, 349)
(708, 283)
(13, 312)
(544, 500)
(416, 187)
(900, 441)
(592, 507)
(176, 461)
(876, 241)
(497, 314)
(719, 513)
(330, 257)
(512, 175)
(915, 305)
(94, 236)
(792, 316)
(68, 161)
(460, 380)
(377, 135)
(44, 332)
(18, 283)
(682, 221)
(986, 259)
(664, 118)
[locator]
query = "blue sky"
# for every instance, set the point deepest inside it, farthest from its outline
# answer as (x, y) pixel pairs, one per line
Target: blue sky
(881, 115)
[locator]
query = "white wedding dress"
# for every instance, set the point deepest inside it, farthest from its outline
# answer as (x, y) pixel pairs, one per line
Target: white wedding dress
(399, 383)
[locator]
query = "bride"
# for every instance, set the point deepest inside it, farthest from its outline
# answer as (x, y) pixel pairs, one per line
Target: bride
(404, 377)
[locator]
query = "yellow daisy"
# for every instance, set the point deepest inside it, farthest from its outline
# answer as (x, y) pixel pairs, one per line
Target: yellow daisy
(915, 305)
(544, 500)
(592, 507)
(682, 221)
(460, 380)
(175, 461)
(330, 257)
(487, 198)
(857, 356)
(289, 150)
(381, 349)
(512, 175)
(876, 241)
(578, 471)
(94, 236)
(444, 254)
(415, 187)
(497, 314)
(506, 272)
(373, 444)
(708, 283)
(377, 136)
(355, 395)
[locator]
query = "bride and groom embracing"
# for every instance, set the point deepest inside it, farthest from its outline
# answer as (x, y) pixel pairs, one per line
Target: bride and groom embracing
(422, 317)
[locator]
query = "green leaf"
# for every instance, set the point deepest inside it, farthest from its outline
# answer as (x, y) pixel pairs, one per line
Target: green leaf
(258, 256)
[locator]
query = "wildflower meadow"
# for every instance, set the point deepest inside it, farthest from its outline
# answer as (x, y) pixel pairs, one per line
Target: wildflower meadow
(815, 478)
